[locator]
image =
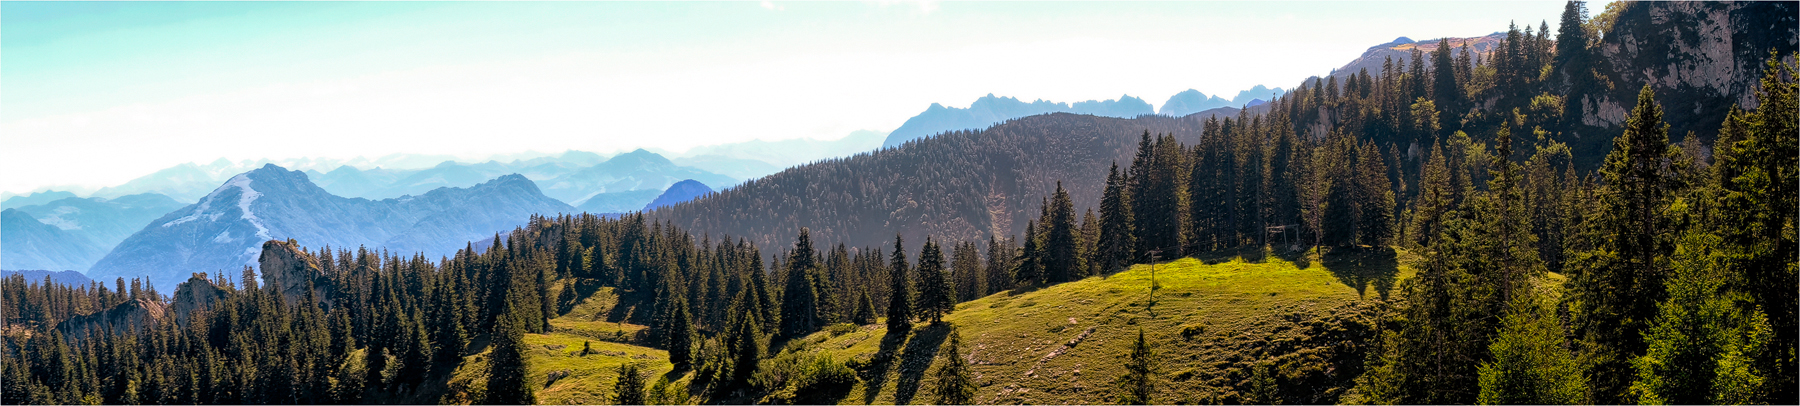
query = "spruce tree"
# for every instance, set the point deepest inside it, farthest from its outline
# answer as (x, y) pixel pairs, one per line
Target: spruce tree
(1117, 234)
(1028, 267)
(1758, 173)
(678, 332)
(799, 299)
(1060, 239)
(955, 382)
(937, 297)
(1703, 345)
(1530, 366)
(509, 381)
(741, 340)
(1138, 385)
(629, 388)
(900, 306)
(865, 310)
(1618, 284)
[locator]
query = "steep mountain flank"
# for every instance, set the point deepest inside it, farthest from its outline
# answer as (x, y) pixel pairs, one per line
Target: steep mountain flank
(957, 186)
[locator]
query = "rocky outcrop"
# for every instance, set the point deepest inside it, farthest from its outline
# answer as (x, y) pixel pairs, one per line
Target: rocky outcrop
(196, 294)
(288, 269)
(127, 317)
(1700, 57)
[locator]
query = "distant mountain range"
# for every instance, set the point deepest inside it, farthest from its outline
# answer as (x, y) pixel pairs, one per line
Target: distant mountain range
(80, 230)
(1192, 101)
(35, 198)
(739, 159)
(679, 192)
(989, 110)
(65, 278)
(225, 229)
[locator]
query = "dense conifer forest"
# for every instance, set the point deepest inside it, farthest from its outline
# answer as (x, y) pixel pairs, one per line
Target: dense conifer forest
(1548, 268)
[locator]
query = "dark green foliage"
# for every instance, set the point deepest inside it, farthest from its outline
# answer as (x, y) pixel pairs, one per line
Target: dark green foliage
(799, 298)
(1618, 284)
(1029, 265)
(1061, 240)
(1118, 236)
(865, 310)
(629, 388)
(1530, 365)
(900, 302)
(509, 382)
(937, 297)
(1138, 385)
(955, 382)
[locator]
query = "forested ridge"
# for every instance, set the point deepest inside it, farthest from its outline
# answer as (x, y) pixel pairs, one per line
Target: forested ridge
(1651, 271)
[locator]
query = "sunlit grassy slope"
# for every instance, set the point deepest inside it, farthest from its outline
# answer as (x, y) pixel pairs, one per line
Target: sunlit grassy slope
(588, 379)
(1211, 323)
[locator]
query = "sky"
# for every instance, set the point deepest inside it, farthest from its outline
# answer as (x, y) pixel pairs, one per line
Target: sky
(95, 94)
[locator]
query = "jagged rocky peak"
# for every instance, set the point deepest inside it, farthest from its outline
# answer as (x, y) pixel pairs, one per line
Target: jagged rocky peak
(196, 294)
(126, 317)
(287, 268)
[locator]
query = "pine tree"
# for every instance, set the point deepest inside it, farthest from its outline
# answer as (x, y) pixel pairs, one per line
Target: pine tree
(1618, 284)
(1029, 265)
(1116, 225)
(1530, 366)
(1758, 173)
(677, 331)
(865, 310)
(1138, 384)
(900, 307)
(509, 381)
(741, 340)
(937, 297)
(999, 266)
(1433, 199)
(799, 299)
(1702, 346)
(955, 382)
(1060, 242)
(629, 388)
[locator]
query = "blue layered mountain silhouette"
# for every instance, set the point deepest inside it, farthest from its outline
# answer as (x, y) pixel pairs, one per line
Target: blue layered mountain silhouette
(225, 230)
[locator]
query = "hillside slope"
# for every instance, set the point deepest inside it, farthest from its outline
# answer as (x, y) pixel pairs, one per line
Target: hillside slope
(958, 186)
(1211, 323)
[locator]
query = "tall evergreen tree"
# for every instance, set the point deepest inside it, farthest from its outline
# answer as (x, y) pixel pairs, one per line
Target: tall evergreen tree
(1117, 233)
(1618, 283)
(900, 304)
(1702, 347)
(1138, 385)
(937, 297)
(509, 381)
(1758, 174)
(799, 300)
(1530, 365)
(629, 388)
(1060, 239)
(1028, 267)
(955, 382)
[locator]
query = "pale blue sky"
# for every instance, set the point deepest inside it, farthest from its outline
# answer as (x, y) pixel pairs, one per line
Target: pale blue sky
(142, 86)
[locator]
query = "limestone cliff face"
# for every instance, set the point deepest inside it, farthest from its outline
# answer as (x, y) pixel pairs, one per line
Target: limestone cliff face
(127, 317)
(1700, 57)
(196, 294)
(287, 269)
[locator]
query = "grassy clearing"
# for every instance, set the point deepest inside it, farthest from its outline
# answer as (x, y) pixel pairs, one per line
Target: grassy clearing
(583, 379)
(1211, 322)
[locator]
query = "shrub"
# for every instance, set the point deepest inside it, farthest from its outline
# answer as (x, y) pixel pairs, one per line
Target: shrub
(841, 329)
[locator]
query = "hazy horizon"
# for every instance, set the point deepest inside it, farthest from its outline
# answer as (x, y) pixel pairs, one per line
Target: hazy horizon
(101, 93)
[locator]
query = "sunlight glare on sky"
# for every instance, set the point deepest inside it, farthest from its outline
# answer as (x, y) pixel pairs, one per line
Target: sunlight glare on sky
(95, 94)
